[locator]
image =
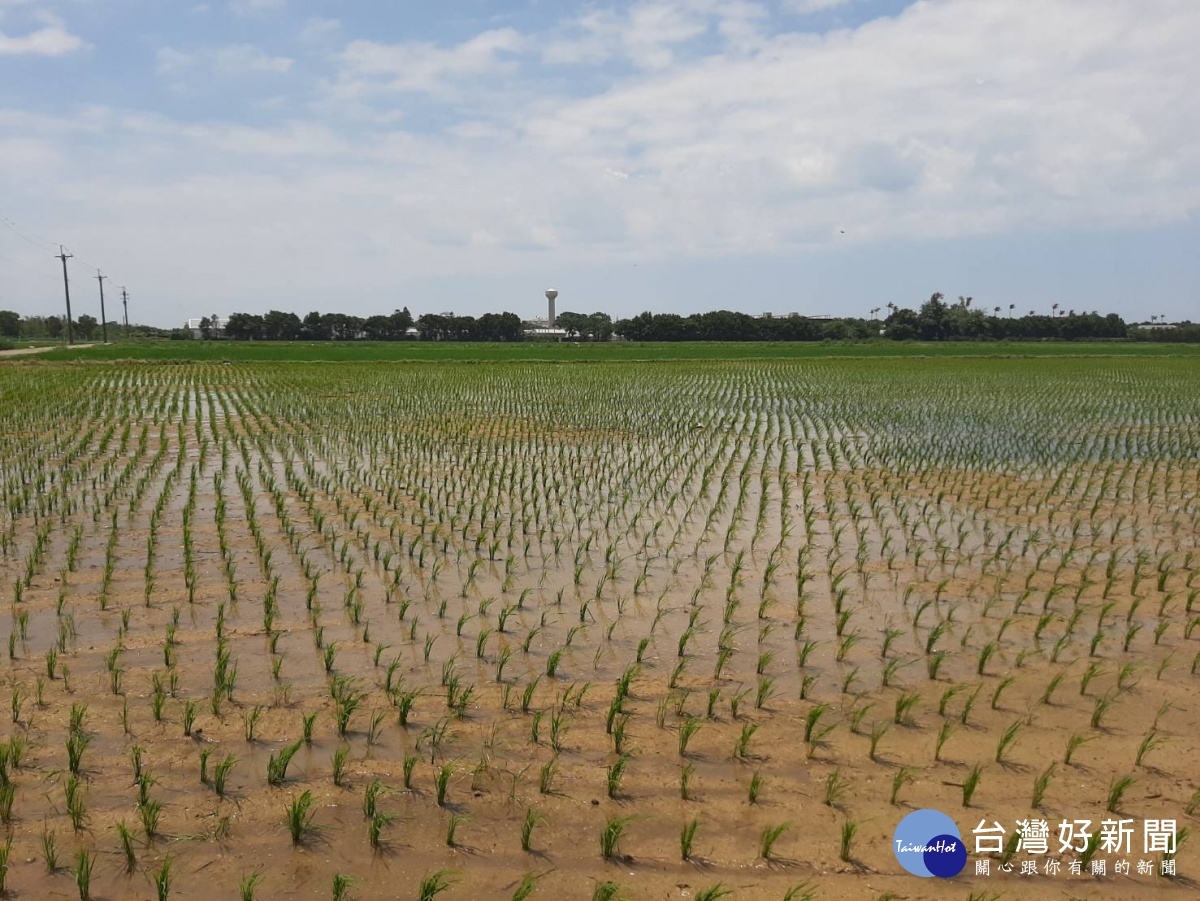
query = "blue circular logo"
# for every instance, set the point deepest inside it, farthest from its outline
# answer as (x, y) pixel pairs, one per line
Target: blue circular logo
(927, 843)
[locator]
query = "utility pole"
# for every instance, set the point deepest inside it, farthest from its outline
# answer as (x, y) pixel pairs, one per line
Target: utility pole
(103, 319)
(64, 256)
(125, 303)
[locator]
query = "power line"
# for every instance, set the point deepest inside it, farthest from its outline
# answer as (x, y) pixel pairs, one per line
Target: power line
(64, 256)
(34, 240)
(25, 266)
(16, 229)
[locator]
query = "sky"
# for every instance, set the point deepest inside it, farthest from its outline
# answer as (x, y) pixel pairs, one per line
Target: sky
(826, 157)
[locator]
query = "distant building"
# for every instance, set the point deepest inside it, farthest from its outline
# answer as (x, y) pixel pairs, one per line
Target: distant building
(538, 328)
(822, 317)
(542, 333)
(1156, 326)
(214, 324)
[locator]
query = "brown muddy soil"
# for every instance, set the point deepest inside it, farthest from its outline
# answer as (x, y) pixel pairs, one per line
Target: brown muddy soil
(845, 639)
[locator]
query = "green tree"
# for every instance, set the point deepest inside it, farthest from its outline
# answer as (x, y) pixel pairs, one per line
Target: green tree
(281, 326)
(601, 327)
(901, 325)
(85, 327)
(244, 327)
(315, 328)
(401, 322)
(931, 320)
(433, 327)
(574, 324)
(10, 324)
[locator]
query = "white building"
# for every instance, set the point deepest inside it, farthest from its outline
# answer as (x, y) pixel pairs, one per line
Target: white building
(541, 333)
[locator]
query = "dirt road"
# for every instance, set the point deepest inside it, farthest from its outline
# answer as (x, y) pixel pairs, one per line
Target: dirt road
(26, 351)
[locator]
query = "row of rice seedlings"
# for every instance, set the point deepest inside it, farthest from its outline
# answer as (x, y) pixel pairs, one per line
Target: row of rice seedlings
(866, 519)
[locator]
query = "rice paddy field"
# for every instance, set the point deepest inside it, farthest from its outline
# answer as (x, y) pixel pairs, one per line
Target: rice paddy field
(641, 630)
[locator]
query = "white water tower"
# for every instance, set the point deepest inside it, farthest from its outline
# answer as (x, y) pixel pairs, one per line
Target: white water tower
(551, 294)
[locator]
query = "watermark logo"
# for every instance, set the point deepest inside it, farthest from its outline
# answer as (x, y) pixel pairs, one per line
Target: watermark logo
(927, 843)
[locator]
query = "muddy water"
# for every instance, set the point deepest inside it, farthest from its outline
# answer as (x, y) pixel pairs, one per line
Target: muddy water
(840, 549)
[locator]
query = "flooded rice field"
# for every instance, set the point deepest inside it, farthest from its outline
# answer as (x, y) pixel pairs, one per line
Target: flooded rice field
(639, 630)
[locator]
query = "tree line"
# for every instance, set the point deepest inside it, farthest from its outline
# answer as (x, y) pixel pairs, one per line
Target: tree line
(935, 320)
(13, 325)
(280, 326)
(277, 325)
(1182, 333)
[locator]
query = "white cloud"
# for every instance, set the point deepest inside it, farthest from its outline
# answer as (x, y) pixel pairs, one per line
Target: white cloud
(426, 67)
(28, 156)
(317, 29)
(245, 8)
(238, 59)
(950, 119)
(52, 39)
(650, 33)
(231, 60)
(804, 7)
(169, 61)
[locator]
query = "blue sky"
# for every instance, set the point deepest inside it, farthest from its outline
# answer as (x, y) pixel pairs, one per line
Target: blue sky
(819, 156)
